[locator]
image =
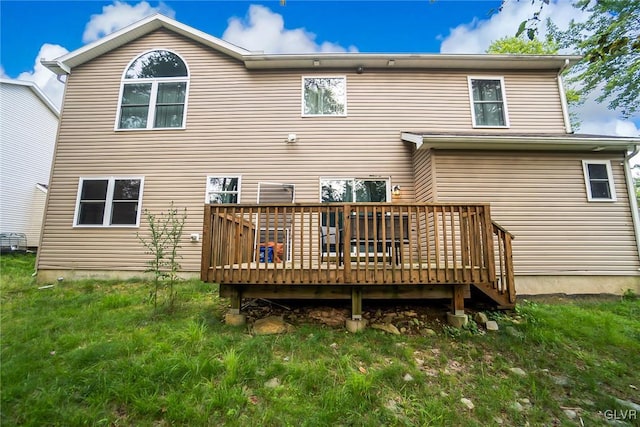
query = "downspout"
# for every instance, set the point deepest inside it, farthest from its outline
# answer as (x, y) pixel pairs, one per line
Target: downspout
(633, 203)
(563, 98)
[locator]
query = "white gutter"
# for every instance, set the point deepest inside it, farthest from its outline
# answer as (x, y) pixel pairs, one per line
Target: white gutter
(633, 203)
(563, 97)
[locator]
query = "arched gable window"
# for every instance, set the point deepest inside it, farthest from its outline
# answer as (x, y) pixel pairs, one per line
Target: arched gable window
(154, 91)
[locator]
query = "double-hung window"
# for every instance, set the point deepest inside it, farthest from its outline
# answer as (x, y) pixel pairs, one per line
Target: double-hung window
(488, 102)
(599, 180)
(324, 96)
(154, 92)
(223, 189)
(109, 201)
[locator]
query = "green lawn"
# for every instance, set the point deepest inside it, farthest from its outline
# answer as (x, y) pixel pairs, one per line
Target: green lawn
(95, 353)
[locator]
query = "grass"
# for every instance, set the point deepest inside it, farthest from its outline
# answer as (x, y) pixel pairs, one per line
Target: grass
(95, 353)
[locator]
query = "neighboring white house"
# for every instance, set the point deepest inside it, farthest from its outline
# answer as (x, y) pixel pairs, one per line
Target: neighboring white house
(28, 128)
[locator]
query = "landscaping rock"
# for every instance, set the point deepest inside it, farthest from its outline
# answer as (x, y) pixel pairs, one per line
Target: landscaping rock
(628, 404)
(387, 327)
(468, 403)
(517, 406)
(560, 380)
(481, 318)
(518, 371)
(271, 325)
(429, 332)
(407, 377)
(570, 413)
(329, 316)
(492, 325)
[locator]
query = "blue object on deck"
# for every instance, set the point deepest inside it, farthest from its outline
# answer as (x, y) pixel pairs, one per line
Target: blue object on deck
(268, 251)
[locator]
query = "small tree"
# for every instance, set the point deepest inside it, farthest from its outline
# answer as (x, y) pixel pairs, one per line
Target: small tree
(165, 231)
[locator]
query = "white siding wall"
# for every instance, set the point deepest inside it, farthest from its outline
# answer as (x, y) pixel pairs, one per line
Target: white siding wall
(27, 138)
(542, 200)
(237, 123)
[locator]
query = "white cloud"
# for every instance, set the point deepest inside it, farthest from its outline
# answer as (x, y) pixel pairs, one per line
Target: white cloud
(112, 18)
(119, 15)
(477, 35)
(43, 77)
(264, 31)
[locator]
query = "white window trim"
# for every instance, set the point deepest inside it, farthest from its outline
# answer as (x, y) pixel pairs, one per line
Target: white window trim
(356, 178)
(293, 186)
(220, 175)
(302, 113)
(587, 180)
(108, 203)
(507, 123)
(151, 116)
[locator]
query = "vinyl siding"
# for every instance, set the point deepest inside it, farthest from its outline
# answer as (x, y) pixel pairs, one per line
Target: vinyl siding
(423, 175)
(237, 122)
(26, 152)
(542, 200)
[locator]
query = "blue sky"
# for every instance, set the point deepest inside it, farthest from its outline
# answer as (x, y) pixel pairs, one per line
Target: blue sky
(47, 29)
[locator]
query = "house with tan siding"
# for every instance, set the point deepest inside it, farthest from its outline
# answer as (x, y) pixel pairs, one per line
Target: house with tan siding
(368, 174)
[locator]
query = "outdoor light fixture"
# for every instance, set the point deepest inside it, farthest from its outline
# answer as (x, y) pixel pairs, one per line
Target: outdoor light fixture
(291, 138)
(316, 63)
(391, 62)
(360, 69)
(395, 191)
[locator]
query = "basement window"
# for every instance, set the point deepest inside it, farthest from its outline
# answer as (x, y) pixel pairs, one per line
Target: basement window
(108, 202)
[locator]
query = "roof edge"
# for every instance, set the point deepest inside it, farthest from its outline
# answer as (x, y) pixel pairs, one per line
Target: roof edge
(259, 60)
(38, 92)
(64, 63)
(552, 142)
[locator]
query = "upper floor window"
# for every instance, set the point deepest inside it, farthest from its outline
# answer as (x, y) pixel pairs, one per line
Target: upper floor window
(109, 201)
(324, 96)
(223, 189)
(488, 102)
(154, 92)
(599, 180)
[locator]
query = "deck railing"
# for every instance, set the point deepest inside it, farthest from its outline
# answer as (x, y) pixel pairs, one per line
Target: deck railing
(358, 243)
(505, 280)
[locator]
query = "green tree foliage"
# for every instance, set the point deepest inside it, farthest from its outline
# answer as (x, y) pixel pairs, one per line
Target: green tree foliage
(523, 46)
(609, 41)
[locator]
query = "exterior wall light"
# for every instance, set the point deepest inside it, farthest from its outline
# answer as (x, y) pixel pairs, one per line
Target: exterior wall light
(395, 191)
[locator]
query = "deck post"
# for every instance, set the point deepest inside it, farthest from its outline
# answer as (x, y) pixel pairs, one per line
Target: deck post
(356, 323)
(356, 303)
(234, 317)
(456, 316)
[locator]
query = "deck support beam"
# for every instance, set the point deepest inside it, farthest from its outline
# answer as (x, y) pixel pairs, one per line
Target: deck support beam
(234, 317)
(457, 301)
(356, 303)
(456, 316)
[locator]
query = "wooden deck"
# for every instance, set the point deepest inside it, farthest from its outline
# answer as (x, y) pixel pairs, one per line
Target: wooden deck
(359, 245)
